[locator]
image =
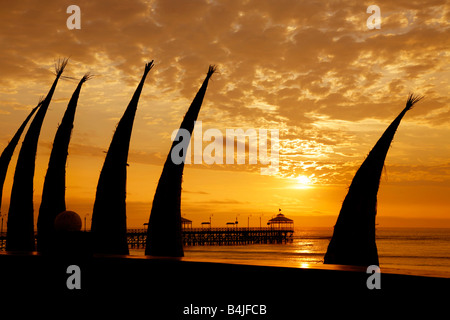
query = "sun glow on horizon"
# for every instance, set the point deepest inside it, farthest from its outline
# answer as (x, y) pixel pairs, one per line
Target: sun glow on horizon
(303, 182)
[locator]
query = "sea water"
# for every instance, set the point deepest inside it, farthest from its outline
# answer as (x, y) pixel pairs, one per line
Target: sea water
(419, 249)
(423, 251)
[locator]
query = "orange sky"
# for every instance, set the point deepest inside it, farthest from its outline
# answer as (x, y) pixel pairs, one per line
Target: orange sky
(311, 69)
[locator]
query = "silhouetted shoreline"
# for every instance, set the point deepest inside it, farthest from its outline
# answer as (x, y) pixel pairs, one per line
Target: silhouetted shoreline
(285, 291)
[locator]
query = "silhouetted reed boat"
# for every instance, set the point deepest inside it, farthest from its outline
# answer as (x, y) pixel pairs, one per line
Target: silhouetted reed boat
(353, 241)
(54, 191)
(109, 226)
(164, 227)
(20, 232)
(7, 153)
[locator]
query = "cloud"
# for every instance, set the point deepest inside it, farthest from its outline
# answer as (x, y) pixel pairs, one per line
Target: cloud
(310, 69)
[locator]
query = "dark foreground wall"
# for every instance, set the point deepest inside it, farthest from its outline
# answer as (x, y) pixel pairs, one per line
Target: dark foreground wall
(163, 288)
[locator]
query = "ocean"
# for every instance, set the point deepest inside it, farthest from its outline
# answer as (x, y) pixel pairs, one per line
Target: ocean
(421, 251)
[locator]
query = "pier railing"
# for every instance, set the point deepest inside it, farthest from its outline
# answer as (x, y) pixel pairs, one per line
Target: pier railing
(220, 236)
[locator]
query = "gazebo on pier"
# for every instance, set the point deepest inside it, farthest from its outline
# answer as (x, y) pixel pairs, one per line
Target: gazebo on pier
(280, 222)
(186, 223)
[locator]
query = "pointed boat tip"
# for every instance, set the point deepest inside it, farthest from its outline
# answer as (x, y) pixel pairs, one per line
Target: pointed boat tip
(60, 65)
(412, 100)
(212, 69)
(149, 66)
(87, 76)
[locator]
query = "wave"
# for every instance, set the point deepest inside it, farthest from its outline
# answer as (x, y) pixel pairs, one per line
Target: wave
(414, 238)
(312, 237)
(415, 257)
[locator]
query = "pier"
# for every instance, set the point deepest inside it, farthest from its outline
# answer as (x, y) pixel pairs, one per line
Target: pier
(219, 236)
(235, 236)
(211, 237)
(280, 229)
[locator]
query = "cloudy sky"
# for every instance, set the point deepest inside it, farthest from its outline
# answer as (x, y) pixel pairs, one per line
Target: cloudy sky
(311, 69)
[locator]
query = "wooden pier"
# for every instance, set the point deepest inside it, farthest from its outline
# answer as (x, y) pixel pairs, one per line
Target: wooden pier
(219, 236)
(2, 242)
(211, 236)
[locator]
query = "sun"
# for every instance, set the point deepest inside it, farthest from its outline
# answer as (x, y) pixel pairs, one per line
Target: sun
(303, 182)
